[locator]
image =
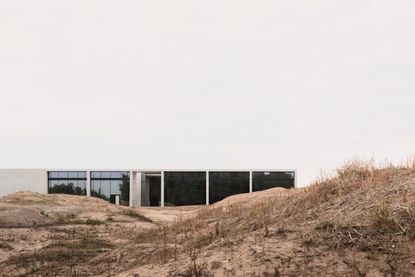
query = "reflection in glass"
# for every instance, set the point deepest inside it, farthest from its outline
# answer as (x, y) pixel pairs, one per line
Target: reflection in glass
(110, 184)
(184, 188)
(224, 184)
(262, 180)
(73, 175)
(54, 174)
(67, 182)
(63, 174)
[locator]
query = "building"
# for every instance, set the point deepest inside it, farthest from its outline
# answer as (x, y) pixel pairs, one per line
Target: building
(140, 188)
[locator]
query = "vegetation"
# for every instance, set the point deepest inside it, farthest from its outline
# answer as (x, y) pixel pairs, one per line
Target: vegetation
(359, 222)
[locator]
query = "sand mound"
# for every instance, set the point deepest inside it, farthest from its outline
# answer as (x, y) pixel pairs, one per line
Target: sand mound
(11, 216)
(28, 209)
(258, 196)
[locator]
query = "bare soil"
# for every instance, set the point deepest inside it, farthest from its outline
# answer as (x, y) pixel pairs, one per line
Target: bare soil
(360, 222)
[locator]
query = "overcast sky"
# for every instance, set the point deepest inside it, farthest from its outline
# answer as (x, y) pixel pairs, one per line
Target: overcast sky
(206, 84)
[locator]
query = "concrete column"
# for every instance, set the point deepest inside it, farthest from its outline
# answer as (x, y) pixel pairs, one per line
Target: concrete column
(250, 181)
(138, 188)
(88, 183)
(295, 179)
(162, 189)
(207, 187)
(132, 183)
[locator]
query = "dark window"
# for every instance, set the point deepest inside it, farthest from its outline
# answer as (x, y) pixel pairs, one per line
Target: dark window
(67, 182)
(154, 182)
(184, 188)
(262, 180)
(224, 184)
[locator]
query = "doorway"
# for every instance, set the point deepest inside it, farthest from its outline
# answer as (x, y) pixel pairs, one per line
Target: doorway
(155, 190)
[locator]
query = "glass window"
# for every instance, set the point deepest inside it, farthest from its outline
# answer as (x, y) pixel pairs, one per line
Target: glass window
(224, 184)
(73, 174)
(116, 175)
(53, 174)
(184, 188)
(108, 184)
(67, 182)
(82, 174)
(82, 183)
(105, 189)
(95, 188)
(105, 175)
(63, 174)
(96, 174)
(262, 180)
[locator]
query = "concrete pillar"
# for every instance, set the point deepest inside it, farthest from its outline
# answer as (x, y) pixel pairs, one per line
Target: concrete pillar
(88, 183)
(162, 189)
(137, 188)
(132, 179)
(295, 179)
(207, 187)
(250, 181)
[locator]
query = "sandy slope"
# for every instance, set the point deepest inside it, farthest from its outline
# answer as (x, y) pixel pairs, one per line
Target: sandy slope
(358, 223)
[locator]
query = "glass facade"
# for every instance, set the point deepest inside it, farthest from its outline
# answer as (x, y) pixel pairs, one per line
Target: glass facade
(110, 184)
(67, 182)
(184, 188)
(262, 180)
(180, 187)
(224, 184)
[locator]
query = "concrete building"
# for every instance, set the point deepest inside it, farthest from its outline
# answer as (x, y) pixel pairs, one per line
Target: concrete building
(140, 188)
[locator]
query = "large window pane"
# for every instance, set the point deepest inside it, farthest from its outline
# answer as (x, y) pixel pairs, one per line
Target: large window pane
(96, 188)
(111, 185)
(224, 184)
(67, 182)
(184, 188)
(82, 174)
(105, 175)
(105, 189)
(73, 174)
(96, 174)
(63, 174)
(53, 174)
(116, 175)
(262, 180)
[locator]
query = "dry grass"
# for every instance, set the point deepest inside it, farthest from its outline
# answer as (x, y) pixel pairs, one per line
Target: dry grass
(360, 208)
(136, 215)
(359, 221)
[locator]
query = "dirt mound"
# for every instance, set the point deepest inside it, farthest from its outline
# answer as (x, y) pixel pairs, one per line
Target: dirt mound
(27, 209)
(11, 216)
(360, 222)
(255, 197)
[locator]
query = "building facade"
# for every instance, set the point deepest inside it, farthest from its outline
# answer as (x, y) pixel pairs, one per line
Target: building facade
(141, 188)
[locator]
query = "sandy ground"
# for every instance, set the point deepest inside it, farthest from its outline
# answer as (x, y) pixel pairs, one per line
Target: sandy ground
(360, 223)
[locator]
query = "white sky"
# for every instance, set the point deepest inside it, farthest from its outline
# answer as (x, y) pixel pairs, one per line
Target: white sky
(206, 84)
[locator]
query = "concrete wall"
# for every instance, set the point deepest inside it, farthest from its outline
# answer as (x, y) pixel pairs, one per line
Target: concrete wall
(14, 180)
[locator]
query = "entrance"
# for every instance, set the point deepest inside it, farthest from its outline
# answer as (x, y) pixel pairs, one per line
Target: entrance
(151, 189)
(155, 190)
